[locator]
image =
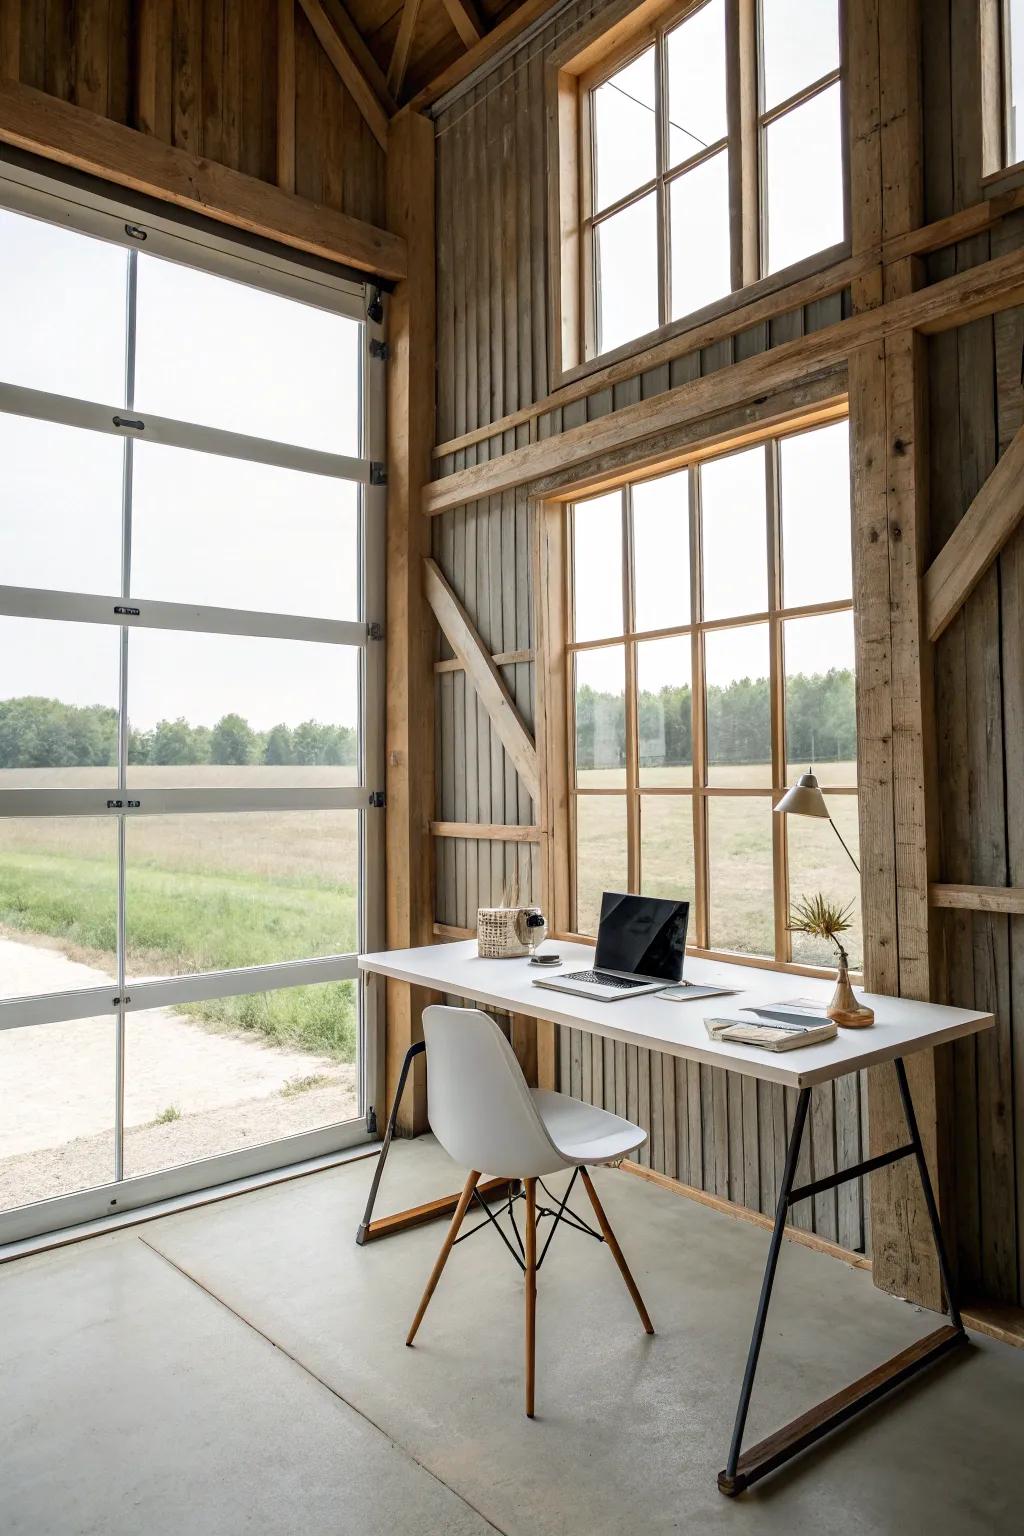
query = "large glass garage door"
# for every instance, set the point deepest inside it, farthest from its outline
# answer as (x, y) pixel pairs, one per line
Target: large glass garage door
(190, 704)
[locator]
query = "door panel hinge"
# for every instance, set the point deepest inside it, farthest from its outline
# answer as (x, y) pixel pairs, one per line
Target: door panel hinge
(378, 473)
(375, 631)
(377, 799)
(371, 1121)
(374, 307)
(378, 349)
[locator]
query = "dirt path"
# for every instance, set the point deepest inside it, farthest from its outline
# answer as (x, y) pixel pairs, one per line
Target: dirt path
(223, 1090)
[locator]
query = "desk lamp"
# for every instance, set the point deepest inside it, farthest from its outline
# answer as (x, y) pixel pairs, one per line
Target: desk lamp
(806, 799)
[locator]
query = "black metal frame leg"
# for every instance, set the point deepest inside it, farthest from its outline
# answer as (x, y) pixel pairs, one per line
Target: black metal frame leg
(378, 1173)
(370, 1230)
(744, 1468)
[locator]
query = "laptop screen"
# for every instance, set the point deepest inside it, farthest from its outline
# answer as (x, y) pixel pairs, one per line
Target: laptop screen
(642, 935)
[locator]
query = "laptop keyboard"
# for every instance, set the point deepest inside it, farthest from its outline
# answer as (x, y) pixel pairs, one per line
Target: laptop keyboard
(604, 979)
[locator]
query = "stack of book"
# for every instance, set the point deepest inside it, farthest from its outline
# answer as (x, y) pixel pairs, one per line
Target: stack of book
(776, 1026)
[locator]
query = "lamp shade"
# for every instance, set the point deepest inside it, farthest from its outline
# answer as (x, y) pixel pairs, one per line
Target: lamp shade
(804, 799)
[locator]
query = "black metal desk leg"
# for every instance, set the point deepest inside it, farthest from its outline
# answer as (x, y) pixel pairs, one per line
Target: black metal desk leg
(410, 1056)
(386, 1226)
(929, 1195)
(746, 1467)
(781, 1212)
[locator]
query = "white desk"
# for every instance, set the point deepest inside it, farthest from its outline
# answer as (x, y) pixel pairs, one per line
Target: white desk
(901, 1027)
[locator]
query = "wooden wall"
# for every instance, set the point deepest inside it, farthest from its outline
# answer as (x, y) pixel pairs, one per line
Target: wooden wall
(202, 75)
(976, 404)
(708, 1128)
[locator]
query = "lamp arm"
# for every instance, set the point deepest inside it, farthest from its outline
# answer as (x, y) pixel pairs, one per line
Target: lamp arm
(849, 855)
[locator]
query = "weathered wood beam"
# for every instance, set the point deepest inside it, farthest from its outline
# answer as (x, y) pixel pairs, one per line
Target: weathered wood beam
(464, 640)
(409, 723)
(769, 306)
(987, 524)
(491, 43)
(486, 831)
(965, 296)
(356, 45)
(977, 898)
(286, 95)
(348, 70)
(403, 43)
(40, 123)
(465, 18)
(500, 659)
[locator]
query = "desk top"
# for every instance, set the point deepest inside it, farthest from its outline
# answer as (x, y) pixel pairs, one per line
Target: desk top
(901, 1026)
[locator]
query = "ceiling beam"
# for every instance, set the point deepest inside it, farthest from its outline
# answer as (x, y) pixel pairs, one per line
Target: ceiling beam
(353, 40)
(975, 541)
(43, 125)
(403, 43)
(491, 43)
(348, 70)
(465, 18)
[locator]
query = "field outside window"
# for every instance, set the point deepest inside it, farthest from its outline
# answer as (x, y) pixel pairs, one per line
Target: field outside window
(732, 674)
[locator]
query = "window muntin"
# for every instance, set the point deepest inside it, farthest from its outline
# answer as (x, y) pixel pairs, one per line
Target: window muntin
(704, 723)
(669, 134)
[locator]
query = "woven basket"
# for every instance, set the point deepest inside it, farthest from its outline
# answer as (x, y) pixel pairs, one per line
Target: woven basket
(496, 935)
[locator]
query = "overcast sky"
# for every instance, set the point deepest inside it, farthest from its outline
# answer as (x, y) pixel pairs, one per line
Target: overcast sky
(205, 529)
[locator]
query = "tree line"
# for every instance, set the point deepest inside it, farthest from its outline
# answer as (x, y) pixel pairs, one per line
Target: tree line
(821, 722)
(45, 733)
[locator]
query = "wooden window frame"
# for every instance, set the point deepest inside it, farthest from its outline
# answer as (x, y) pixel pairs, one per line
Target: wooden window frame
(574, 73)
(997, 165)
(556, 695)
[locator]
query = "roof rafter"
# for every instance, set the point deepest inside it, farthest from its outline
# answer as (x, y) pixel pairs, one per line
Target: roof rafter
(403, 44)
(353, 73)
(465, 18)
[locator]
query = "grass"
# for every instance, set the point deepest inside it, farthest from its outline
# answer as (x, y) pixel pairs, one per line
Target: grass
(168, 1116)
(740, 857)
(203, 892)
(298, 1085)
(215, 891)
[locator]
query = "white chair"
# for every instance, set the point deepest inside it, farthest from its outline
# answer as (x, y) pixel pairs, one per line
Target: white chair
(487, 1118)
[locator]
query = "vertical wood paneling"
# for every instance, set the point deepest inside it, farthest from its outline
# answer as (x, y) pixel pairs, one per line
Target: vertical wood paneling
(202, 74)
(719, 1133)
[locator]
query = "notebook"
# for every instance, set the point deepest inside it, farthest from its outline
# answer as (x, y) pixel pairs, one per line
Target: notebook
(770, 1037)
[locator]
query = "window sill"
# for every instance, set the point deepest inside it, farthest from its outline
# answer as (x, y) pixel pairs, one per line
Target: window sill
(721, 309)
(732, 957)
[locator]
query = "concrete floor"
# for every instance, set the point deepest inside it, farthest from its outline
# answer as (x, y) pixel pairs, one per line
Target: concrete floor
(241, 1368)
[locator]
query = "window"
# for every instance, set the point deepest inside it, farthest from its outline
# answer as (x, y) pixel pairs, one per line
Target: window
(189, 723)
(730, 673)
(1007, 19)
(684, 159)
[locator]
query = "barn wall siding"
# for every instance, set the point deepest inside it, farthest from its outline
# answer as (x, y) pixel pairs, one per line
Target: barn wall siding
(708, 1128)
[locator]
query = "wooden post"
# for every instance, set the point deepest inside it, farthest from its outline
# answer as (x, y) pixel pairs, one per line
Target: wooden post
(888, 425)
(410, 675)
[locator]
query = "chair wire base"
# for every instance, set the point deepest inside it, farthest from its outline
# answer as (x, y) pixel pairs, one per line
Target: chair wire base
(561, 1213)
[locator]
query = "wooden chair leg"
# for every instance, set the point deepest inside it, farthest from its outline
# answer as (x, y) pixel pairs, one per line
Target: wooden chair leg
(446, 1248)
(530, 1281)
(616, 1251)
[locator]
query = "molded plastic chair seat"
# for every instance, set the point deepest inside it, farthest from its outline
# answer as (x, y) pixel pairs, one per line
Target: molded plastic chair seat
(487, 1118)
(583, 1133)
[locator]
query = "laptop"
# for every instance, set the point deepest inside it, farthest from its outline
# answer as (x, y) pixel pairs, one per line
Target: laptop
(641, 943)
